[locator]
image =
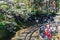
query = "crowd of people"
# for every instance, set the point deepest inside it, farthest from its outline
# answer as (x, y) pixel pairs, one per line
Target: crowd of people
(47, 31)
(44, 19)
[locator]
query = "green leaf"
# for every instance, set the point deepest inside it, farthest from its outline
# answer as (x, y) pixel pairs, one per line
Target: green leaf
(2, 23)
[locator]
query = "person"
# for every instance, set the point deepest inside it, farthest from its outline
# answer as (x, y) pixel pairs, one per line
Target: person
(47, 32)
(42, 35)
(37, 22)
(51, 18)
(45, 20)
(42, 29)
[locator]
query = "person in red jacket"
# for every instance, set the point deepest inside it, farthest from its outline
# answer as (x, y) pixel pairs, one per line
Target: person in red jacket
(48, 33)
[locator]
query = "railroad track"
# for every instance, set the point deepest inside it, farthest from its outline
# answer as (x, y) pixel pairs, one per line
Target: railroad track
(26, 33)
(29, 34)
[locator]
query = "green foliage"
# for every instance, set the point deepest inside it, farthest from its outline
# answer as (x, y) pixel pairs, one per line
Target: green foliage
(2, 17)
(2, 23)
(46, 8)
(4, 7)
(3, 31)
